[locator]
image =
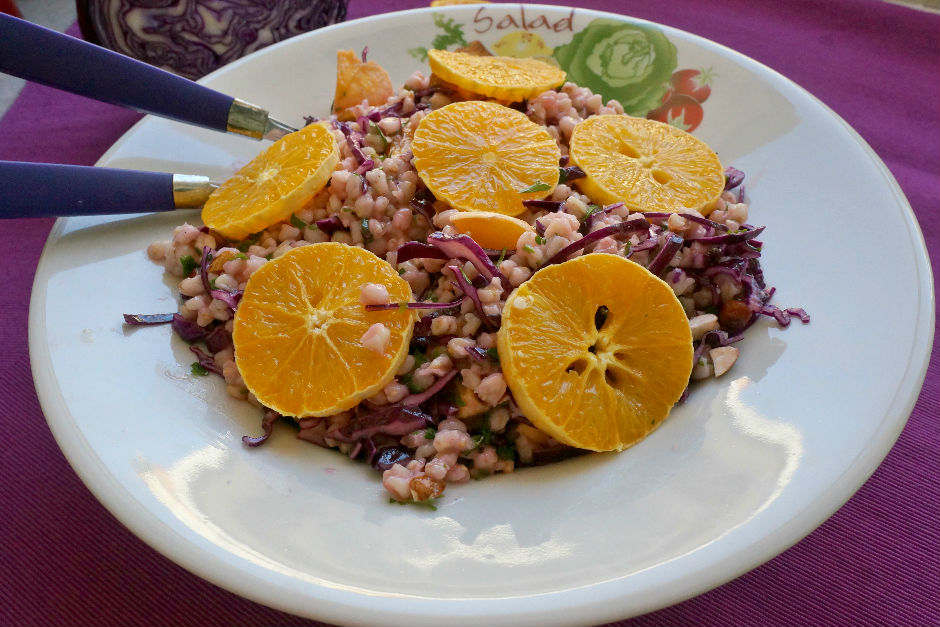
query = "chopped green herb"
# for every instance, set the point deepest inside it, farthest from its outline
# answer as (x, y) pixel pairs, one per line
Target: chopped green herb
(502, 255)
(297, 222)
(493, 354)
(528, 249)
(382, 137)
(212, 283)
(562, 176)
(198, 369)
(269, 256)
(401, 271)
(506, 451)
(592, 209)
(539, 240)
(241, 256)
(189, 264)
(537, 186)
(627, 247)
(429, 433)
(248, 242)
(366, 231)
(409, 382)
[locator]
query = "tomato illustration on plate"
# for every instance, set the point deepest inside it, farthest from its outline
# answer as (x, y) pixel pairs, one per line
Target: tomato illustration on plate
(683, 112)
(681, 105)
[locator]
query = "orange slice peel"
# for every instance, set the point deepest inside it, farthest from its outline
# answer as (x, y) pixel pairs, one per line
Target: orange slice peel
(273, 185)
(491, 230)
(483, 156)
(299, 329)
(509, 79)
(595, 350)
(647, 165)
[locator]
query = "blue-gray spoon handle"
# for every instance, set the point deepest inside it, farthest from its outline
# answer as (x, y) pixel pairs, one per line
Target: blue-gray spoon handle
(45, 56)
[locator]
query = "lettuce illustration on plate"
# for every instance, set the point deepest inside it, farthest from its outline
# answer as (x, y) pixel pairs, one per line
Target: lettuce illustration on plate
(631, 63)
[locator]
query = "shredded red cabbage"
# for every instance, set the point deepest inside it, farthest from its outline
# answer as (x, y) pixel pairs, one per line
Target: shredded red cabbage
(463, 247)
(329, 225)
(148, 319)
(188, 330)
(413, 400)
(205, 360)
(614, 230)
(267, 426)
(421, 305)
(465, 286)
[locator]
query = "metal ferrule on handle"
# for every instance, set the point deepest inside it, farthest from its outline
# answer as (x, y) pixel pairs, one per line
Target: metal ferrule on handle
(45, 56)
(42, 190)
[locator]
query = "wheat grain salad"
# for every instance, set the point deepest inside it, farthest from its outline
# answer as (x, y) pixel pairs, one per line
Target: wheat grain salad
(446, 410)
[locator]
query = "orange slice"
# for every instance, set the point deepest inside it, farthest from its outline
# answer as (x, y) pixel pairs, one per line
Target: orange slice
(491, 230)
(299, 328)
(273, 185)
(508, 79)
(647, 165)
(482, 156)
(357, 81)
(595, 380)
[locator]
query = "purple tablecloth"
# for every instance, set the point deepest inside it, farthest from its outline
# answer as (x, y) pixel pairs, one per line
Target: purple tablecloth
(67, 561)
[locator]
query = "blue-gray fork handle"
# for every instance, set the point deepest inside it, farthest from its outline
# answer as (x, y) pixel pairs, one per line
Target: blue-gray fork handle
(41, 55)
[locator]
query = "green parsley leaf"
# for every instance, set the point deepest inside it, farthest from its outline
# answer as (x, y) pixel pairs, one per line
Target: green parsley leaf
(528, 249)
(592, 209)
(493, 354)
(297, 222)
(539, 240)
(537, 186)
(562, 176)
(198, 369)
(189, 264)
(385, 141)
(429, 433)
(366, 231)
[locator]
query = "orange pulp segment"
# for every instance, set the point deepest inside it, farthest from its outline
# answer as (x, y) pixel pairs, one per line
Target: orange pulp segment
(299, 327)
(509, 79)
(595, 350)
(483, 156)
(273, 185)
(491, 230)
(647, 165)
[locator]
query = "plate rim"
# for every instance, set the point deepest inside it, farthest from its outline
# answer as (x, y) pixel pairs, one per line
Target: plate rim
(136, 516)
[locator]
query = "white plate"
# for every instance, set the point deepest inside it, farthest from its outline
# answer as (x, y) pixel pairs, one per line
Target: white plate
(752, 463)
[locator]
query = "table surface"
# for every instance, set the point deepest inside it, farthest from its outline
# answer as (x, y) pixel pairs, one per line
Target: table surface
(67, 561)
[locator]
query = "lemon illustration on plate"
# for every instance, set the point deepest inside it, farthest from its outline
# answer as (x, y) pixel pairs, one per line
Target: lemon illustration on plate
(522, 43)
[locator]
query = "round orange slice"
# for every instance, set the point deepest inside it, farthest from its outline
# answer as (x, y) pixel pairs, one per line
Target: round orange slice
(299, 330)
(273, 185)
(491, 230)
(647, 165)
(509, 79)
(595, 350)
(482, 156)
